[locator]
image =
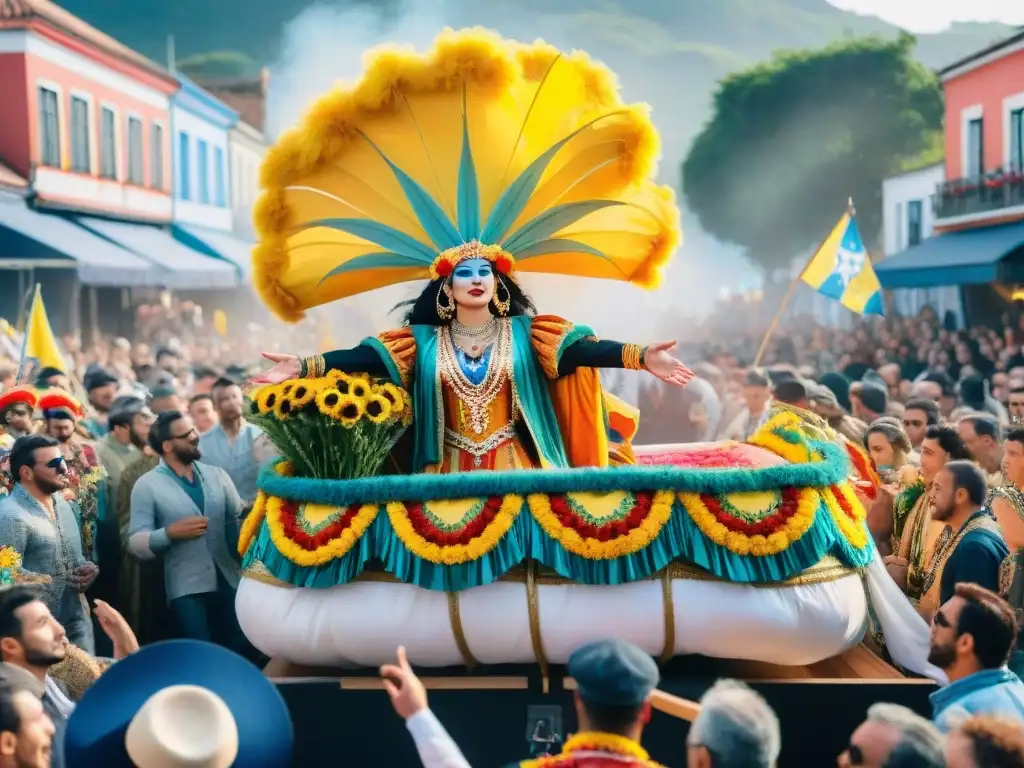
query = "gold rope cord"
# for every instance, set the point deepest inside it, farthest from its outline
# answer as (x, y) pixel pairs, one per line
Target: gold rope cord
(455, 619)
(669, 609)
(533, 616)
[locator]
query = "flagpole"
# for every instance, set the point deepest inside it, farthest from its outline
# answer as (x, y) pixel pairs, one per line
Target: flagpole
(789, 294)
(24, 337)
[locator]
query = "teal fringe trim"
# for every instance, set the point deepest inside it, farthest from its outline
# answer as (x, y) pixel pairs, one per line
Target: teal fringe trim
(680, 539)
(368, 490)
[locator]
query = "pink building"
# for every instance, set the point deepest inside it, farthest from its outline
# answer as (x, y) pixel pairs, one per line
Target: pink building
(86, 118)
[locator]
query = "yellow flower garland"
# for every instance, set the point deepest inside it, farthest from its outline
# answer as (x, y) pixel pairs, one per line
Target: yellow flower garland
(251, 524)
(592, 549)
(511, 505)
(853, 531)
(334, 549)
(597, 741)
(740, 544)
(794, 453)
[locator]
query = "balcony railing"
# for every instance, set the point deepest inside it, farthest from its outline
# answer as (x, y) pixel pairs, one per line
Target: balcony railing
(988, 194)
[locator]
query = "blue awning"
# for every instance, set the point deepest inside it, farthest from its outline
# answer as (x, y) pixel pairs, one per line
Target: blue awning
(969, 257)
(185, 268)
(222, 245)
(28, 235)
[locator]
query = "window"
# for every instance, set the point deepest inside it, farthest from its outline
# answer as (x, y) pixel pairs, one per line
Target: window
(135, 174)
(156, 157)
(49, 128)
(219, 198)
(913, 222)
(203, 172)
(108, 144)
(975, 149)
(80, 160)
(899, 245)
(185, 181)
(1017, 139)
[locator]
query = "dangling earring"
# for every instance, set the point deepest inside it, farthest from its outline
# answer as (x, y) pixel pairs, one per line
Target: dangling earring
(503, 306)
(445, 311)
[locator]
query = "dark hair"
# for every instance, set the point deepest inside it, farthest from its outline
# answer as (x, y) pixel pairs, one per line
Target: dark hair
(10, 720)
(990, 621)
(997, 742)
(984, 425)
(968, 475)
(949, 440)
(124, 417)
(23, 452)
(756, 378)
(926, 406)
(223, 383)
(204, 372)
(166, 352)
(11, 599)
(1016, 435)
(790, 391)
(163, 430)
(1017, 390)
(199, 398)
(423, 309)
(610, 719)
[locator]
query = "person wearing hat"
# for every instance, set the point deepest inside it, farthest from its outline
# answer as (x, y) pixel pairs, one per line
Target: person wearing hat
(101, 387)
(16, 408)
(757, 395)
(164, 397)
(823, 401)
(869, 400)
(181, 704)
(52, 377)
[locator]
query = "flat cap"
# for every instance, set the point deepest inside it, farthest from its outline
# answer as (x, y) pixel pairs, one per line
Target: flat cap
(98, 377)
(614, 673)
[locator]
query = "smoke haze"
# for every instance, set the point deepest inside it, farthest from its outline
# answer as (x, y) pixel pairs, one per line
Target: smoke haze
(325, 44)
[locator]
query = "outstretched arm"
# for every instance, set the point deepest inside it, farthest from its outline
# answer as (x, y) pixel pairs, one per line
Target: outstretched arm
(594, 353)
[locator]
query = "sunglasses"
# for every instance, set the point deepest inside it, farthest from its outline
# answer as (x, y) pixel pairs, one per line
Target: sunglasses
(59, 465)
(191, 434)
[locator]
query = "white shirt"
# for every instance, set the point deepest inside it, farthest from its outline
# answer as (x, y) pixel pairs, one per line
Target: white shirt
(436, 748)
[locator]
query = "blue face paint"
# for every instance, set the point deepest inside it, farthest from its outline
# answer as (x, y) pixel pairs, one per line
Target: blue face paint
(473, 283)
(473, 269)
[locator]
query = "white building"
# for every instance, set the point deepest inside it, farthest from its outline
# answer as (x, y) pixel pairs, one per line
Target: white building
(246, 146)
(908, 218)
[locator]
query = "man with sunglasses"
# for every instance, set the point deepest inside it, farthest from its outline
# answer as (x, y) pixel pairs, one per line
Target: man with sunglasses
(41, 526)
(187, 513)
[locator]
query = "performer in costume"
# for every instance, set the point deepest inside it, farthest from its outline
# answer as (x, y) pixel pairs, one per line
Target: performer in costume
(16, 408)
(466, 167)
(1007, 504)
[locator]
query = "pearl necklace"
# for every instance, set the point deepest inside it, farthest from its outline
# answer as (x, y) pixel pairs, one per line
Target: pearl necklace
(477, 399)
(473, 341)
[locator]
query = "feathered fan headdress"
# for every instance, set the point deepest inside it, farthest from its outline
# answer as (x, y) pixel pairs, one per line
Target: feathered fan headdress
(481, 148)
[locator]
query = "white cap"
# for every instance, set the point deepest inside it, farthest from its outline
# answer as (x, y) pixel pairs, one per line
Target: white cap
(184, 726)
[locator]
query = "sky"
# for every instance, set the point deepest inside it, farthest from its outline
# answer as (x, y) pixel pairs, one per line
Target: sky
(936, 15)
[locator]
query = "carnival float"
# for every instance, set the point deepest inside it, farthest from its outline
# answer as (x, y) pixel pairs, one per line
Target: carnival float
(462, 485)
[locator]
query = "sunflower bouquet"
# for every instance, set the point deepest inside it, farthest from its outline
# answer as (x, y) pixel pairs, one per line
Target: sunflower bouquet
(339, 426)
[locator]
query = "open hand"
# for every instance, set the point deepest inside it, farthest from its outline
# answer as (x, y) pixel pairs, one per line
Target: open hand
(408, 696)
(659, 361)
(116, 628)
(285, 367)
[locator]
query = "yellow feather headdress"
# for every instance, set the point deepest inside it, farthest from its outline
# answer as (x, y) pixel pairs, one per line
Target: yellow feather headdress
(482, 145)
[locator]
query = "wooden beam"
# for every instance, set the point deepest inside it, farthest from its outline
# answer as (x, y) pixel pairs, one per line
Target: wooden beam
(670, 704)
(493, 683)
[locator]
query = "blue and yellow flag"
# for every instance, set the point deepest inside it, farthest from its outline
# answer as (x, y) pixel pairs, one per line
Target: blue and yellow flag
(40, 344)
(841, 269)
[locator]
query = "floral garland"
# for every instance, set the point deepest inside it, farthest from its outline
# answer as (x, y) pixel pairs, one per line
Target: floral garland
(593, 741)
(848, 513)
(251, 524)
(479, 536)
(616, 538)
(779, 436)
(768, 536)
(332, 541)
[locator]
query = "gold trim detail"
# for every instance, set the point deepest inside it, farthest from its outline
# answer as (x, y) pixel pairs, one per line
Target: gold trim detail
(455, 619)
(632, 357)
(533, 616)
(257, 571)
(669, 609)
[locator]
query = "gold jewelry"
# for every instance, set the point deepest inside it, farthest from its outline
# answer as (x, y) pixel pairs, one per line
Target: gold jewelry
(632, 357)
(312, 367)
(476, 399)
(503, 306)
(445, 311)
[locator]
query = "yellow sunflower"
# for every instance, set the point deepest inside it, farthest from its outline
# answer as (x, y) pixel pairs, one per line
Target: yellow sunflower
(334, 376)
(267, 397)
(393, 395)
(9, 558)
(287, 387)
(378, 409)
(327, 400)
(348, 411)
(359, 388)
(302, 394)
(284, 407)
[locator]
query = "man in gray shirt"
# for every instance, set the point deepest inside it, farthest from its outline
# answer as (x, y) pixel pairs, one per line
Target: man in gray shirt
(187, 513)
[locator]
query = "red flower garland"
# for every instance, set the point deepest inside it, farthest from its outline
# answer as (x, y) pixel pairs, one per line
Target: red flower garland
(765, 527)
(294, 531)
(609, 531)
(471, 530)
(844, 503)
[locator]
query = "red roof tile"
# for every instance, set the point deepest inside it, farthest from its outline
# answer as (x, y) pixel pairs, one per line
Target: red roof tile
(27, 10)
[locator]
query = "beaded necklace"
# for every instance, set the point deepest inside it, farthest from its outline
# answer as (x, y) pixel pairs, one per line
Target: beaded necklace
(477, 398)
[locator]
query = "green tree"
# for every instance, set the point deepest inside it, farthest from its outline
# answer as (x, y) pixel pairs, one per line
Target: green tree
(791, 139)
(219, 64)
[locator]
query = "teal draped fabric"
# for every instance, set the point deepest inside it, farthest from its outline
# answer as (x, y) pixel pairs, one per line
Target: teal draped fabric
(679, 540)
(534, 396)
(426, 421)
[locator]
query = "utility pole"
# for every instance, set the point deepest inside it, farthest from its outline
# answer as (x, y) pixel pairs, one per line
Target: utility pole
(170, 53)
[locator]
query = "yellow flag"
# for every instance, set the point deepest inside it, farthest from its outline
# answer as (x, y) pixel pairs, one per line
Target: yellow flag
(220, 323)
(40, 343)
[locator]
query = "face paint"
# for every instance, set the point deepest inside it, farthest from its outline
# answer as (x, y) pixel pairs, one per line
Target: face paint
(473, 283)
